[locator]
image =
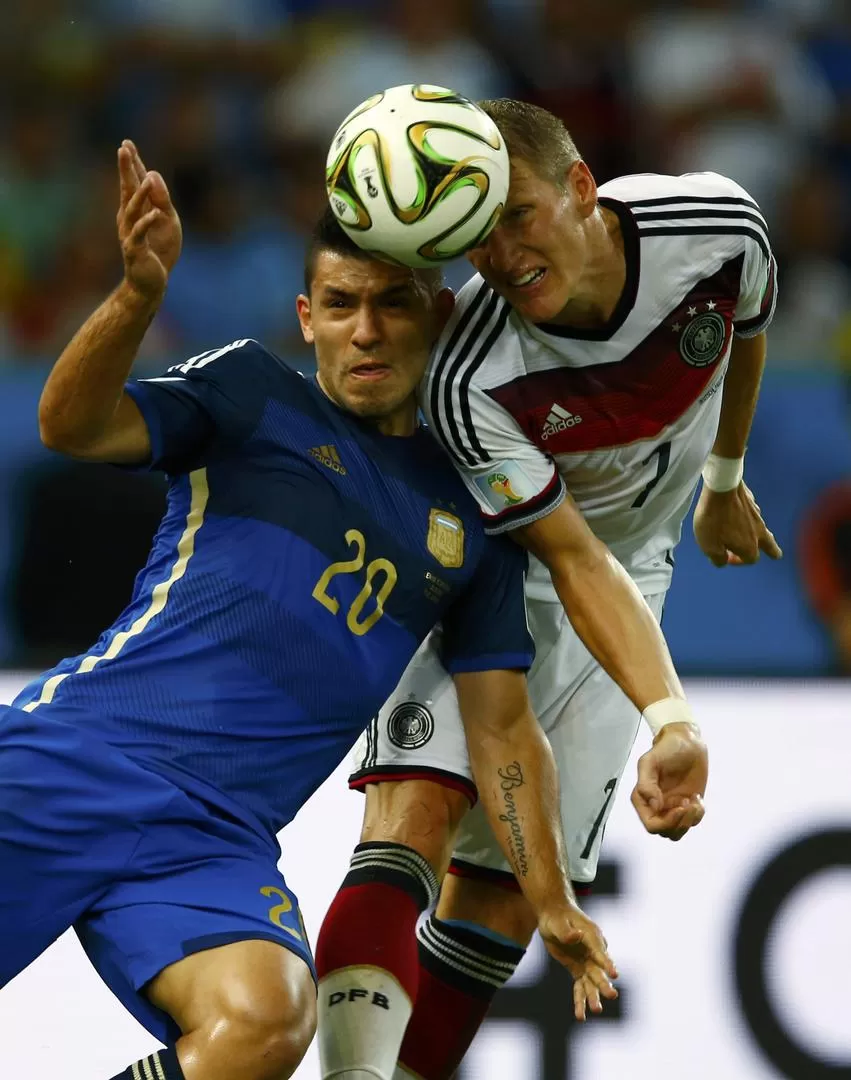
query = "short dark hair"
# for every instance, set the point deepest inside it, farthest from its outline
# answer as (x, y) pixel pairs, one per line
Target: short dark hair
(329, 235)
(535, 136)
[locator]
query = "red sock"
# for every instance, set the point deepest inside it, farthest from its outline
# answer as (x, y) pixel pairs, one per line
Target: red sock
(460, 972)
(367, 959)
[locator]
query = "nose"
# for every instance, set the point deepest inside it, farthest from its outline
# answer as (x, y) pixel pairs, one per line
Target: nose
(367, 331)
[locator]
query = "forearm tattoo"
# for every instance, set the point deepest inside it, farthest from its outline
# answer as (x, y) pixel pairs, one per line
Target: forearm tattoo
(511, 778)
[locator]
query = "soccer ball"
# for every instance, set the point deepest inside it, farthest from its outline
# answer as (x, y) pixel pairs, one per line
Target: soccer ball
(417, 175)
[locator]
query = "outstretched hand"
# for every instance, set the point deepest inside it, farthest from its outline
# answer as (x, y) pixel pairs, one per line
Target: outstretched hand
(578, 944)
(149, 228)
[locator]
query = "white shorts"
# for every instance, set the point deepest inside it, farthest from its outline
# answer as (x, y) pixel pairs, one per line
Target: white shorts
(590, 723)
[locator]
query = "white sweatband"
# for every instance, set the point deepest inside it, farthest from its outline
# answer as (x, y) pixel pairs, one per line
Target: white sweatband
(723, 473)
(670, 710)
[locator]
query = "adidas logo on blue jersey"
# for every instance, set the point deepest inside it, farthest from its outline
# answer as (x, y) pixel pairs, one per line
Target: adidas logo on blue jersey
(328, 456)
(558, 420)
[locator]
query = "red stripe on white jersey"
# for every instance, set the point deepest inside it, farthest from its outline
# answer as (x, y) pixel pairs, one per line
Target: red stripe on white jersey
(614, 404)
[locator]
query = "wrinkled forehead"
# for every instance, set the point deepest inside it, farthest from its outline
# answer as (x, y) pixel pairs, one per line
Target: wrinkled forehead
(362, 276)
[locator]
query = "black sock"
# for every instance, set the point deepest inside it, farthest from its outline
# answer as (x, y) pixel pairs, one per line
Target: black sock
(161, 1065)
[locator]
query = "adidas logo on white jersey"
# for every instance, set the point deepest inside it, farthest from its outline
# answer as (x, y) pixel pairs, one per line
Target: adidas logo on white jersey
(558, 420)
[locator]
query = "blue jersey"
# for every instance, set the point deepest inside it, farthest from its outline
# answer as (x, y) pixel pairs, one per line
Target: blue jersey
(302, 559)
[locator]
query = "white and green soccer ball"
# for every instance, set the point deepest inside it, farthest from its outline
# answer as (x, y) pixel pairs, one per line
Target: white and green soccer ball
(417, 174)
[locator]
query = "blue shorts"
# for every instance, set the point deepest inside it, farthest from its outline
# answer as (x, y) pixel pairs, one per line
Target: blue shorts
(144, 872)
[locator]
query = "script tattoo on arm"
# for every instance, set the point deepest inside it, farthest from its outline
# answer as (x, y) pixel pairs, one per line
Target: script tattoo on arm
(510, 779)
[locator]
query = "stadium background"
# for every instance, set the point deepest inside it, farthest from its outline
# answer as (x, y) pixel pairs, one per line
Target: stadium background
(234, 102)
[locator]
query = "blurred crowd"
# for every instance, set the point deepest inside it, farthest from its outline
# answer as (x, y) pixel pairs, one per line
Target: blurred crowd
(235, 102)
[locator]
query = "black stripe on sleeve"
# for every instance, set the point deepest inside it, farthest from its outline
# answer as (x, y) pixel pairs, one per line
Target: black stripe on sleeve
(674, 215)
(447, 374)
(466, 379)
(710, 230)
(701, 200)
(439, 371)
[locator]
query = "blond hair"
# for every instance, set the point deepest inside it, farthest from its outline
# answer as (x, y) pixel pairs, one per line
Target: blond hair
(535, 136)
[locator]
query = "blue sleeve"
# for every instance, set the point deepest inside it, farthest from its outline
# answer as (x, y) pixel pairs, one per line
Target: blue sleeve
(209, 403)
(486, 629)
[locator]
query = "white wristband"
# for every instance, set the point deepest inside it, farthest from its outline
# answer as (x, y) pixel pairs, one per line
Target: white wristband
(723, 473)
(670, 710)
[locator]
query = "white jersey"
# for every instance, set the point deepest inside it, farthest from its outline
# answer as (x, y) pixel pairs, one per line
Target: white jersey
(623, 416)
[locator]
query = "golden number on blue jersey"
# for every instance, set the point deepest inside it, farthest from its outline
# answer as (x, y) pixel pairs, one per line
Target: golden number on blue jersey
(355, 623)
(285, 906)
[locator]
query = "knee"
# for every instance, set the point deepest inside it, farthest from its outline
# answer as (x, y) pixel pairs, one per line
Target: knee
(421, 814)
(490, 906)
(265, 1039)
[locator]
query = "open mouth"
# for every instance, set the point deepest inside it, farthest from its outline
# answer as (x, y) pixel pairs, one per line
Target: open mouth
(528, 281)
(371, 371)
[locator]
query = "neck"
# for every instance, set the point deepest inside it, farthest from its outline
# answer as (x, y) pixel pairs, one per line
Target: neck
(604, 277)
(402, 421)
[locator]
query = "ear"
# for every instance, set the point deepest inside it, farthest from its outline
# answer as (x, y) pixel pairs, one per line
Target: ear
(302, 307)
(584, 188)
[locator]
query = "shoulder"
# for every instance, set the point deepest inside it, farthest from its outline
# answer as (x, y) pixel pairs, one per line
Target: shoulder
(241, 356)
(694, 207)
(476, 346)
(649, 189)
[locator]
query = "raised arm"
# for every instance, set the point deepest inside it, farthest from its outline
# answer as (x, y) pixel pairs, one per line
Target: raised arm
(517, 781)
(84, 411)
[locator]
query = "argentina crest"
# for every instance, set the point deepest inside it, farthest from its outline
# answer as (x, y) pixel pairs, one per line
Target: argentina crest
(445, 538)
(702, 341)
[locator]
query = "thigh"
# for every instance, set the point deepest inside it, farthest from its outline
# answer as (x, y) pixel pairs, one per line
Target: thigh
(418, 734)
(420, 814)
(197, 882)
(70, 809)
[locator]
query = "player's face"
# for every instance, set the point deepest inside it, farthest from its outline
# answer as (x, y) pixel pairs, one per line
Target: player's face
(536, 254)
(372, 326)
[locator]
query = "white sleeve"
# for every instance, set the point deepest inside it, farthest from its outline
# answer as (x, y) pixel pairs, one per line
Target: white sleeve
(758, 286)
(513, 481)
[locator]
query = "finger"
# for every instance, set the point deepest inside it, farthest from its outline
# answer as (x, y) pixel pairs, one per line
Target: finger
(136, 158)
(733, 560)
(159, 193)
(592, 996)
(134, 209)
(601, 981)
(647, 787)
(139, 232)
(662, 824)
(579, 999)
(597, 955)
(647, 799)
(717, 556)
(693, 816)
(127, 181)
(746, 555)
(770, 546)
